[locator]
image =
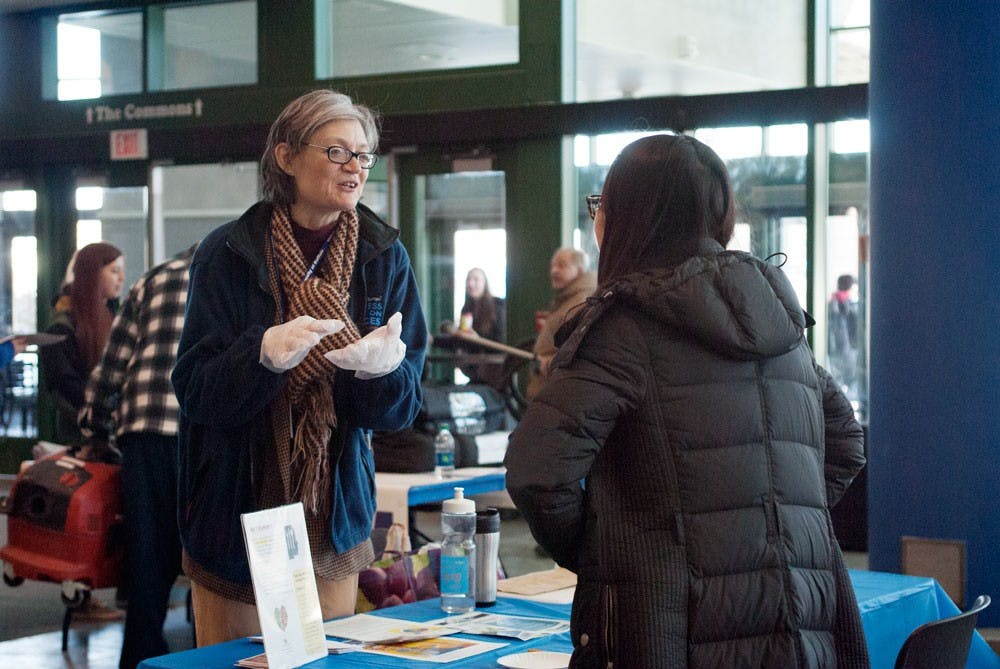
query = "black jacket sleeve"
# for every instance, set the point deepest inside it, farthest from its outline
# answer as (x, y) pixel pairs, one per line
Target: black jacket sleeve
(564, 428)
(845, 450)
(63, 371)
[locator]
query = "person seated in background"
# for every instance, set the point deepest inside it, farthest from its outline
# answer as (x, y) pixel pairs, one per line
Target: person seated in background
(482, 315)
(572, 284)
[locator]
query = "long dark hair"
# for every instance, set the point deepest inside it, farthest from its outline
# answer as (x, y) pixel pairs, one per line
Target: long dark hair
(483, 309)
(91, 316)
(662, 195)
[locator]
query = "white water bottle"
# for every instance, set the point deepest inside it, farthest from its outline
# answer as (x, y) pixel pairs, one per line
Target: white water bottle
(458, 554)
(444, 453)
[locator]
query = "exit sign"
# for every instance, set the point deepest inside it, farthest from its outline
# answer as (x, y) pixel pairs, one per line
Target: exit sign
(129, 144)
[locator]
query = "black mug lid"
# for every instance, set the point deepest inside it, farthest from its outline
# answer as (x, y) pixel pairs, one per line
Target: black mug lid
(487, 521)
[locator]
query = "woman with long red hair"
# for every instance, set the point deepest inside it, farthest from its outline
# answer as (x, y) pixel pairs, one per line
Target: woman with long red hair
(83, 312)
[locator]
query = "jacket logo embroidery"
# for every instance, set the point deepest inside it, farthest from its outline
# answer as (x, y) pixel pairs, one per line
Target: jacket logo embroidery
(374, 311)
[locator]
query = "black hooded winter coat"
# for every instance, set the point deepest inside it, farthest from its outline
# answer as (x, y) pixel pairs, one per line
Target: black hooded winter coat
(682, 460)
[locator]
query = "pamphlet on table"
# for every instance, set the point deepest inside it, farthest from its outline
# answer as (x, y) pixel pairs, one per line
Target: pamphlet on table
(395, 637)
(379, 629)
(495, 624)
(281, 569)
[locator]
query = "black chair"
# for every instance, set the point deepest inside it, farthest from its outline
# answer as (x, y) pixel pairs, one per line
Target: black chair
(942, 644)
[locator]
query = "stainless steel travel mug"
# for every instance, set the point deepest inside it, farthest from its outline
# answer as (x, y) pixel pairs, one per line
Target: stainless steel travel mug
(487, 540)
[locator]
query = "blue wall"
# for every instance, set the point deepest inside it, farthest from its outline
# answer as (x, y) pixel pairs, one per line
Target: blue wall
(934, 468)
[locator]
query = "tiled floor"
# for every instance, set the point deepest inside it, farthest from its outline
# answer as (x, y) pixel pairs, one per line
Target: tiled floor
(90, 646)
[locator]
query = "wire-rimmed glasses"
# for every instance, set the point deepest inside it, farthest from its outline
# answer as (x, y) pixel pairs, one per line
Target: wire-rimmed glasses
(593, 204)
(342, 155)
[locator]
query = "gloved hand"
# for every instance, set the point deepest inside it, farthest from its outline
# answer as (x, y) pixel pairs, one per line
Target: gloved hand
(377, 354)
(286, 345)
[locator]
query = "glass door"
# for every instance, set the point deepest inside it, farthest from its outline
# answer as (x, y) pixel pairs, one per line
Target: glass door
(453, 220)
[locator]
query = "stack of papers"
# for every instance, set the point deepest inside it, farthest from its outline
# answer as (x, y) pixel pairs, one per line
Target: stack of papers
(379, 629)
(429, 642)
(495, 624)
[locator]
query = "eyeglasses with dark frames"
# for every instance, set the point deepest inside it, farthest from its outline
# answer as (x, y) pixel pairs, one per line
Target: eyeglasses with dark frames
(342, 155)
(593, 204)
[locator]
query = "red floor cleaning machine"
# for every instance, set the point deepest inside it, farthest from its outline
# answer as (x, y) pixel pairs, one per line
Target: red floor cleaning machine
(64, 525)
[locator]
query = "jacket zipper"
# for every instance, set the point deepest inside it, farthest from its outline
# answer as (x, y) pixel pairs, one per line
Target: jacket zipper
(609, 626)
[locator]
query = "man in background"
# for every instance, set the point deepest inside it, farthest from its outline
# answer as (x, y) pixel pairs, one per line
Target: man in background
(572, 284)
(842, 344)
(130, 400)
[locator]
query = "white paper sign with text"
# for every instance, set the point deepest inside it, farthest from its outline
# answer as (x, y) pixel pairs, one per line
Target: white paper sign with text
(291, 620)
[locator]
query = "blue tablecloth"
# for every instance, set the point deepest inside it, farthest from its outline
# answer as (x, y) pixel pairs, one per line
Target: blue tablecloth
(891, 606)
(223, 655)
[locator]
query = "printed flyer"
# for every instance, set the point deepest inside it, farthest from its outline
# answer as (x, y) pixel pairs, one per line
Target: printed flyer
(291, 620)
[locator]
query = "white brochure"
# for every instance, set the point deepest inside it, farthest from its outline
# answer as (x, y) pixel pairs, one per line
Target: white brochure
(291, 620)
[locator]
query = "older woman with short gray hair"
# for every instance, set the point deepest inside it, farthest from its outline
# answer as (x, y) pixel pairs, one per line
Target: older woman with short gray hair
(303, 333)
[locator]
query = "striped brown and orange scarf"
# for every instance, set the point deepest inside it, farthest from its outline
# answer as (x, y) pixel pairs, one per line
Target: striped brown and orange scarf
(304, 416)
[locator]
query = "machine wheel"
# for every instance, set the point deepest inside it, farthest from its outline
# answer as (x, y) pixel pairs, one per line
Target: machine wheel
(12, 581)
(78, 595)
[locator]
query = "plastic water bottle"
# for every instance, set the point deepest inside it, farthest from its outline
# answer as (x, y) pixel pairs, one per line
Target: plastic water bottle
(458, 554)
(444, 453)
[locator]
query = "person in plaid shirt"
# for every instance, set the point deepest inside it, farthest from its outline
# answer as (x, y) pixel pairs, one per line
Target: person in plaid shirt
(130, 400)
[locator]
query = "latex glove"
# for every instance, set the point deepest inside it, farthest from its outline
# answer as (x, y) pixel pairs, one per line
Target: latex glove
(286, 345)
(378, 353)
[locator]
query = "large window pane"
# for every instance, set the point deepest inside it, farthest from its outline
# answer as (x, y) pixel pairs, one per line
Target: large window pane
(364, 37)
(209, 45)
(17, 278)
(641, 48)
(767, 167)
(18, 299)
(99, 54)
(115, 215)
(196, 199)
(846, 278)
(849, 41)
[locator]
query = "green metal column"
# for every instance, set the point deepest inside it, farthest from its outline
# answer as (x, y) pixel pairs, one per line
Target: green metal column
(534, 228)
(55, 232)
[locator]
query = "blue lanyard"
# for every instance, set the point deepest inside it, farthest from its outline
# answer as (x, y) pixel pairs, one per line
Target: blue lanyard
(319, 256)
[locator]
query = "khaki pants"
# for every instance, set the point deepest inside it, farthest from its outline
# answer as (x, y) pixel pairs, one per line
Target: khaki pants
(217, 619)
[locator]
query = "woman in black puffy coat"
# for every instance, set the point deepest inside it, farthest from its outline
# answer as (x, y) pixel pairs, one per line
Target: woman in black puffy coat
(685, 453)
